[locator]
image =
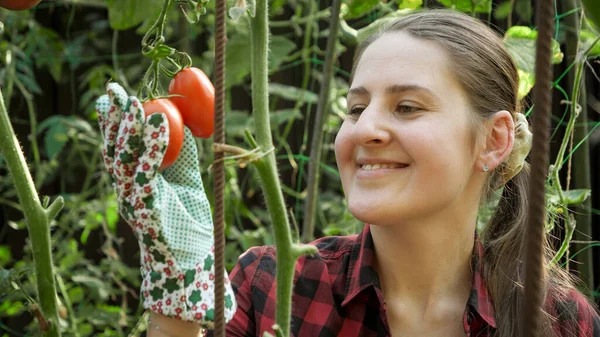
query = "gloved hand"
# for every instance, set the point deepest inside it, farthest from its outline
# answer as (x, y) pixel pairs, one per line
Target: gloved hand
(168, 211)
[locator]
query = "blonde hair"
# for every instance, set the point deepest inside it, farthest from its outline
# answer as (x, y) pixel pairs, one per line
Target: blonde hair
(487, 72)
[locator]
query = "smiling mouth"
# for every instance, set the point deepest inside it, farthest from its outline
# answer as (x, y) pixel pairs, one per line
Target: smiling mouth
(373, 167)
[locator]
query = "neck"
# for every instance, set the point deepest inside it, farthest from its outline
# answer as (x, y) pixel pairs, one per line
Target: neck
(423, 261)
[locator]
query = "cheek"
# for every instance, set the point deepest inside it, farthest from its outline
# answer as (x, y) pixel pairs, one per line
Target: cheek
(342, 145)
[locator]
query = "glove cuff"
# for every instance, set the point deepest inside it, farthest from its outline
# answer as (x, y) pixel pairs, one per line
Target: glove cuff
(186, 294)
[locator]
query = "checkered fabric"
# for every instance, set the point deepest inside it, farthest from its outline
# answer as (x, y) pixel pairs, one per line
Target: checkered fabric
(337, 293)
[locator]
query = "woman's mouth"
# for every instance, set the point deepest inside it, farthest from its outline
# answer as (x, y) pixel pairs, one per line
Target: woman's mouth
(372, 167)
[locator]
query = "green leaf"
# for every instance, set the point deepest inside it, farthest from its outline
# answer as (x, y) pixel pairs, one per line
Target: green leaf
(48, 48)
(10, 308)
(410, 4)
(76, 294)
(587, 38)
(100, 287)
(524, 10)
(591, 9)
(380, 23)
(502, 11)
(359, 8)
(125, 14)
(520, 41)
(55, 139)
(526, 82)
(238, 56)
(5, 255)
(112, 213)
(576, 196)
(469, 6)
(292, 93)
(279, 48)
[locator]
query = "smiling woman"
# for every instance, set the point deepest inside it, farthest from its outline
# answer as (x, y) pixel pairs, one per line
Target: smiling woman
(433, 129)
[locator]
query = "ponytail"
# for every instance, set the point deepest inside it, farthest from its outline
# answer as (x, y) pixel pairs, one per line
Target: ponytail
(504, 256)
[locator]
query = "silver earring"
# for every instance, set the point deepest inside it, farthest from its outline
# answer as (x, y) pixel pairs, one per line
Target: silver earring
(485, 168)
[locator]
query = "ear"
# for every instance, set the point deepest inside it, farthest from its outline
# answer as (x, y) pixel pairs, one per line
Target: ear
(499, 140)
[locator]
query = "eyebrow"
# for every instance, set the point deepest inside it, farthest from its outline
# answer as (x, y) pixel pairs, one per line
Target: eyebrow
(394, 89)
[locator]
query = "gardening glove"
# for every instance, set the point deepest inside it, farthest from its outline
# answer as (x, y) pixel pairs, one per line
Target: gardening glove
(168, 211)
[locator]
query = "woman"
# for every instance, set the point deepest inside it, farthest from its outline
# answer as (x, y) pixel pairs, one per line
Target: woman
(429, 136)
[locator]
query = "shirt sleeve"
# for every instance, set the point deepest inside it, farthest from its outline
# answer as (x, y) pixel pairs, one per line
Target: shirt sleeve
(243, 323)
(578, 317)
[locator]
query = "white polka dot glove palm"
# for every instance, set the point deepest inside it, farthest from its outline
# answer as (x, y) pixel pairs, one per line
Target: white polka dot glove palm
(168, 211)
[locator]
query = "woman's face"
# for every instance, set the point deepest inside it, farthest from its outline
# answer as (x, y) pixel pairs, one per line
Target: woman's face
(405, 149)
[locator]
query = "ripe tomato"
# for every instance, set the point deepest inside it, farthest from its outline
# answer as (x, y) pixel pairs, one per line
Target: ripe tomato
(18, 5)
(175, 127)
(197, 101)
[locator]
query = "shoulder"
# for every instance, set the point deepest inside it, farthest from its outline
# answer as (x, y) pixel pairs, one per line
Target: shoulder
(574, 314)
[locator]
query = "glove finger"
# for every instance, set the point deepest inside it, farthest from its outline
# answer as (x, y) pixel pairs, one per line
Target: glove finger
(127, 148)
(155, 142)
(186, 169)
(102, 107)
(117, 98)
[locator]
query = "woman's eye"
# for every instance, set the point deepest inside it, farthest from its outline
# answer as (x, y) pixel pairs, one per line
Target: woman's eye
(407, 108)
(355, 110)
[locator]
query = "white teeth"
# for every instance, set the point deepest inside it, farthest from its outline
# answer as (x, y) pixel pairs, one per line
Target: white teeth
(379, 166)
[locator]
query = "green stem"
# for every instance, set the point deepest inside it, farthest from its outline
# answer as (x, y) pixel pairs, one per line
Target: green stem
(306, 19)
(316, 147)
(287, 252)
(37, 221)
(68, 304)
(32, 123)
(569, 224)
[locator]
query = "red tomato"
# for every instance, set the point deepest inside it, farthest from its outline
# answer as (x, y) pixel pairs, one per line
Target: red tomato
(18, 5)
(197, 100)
(175, 127)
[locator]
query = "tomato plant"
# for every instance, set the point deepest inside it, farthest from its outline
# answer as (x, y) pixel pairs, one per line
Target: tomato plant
(18, 5)
(592, 11)
(175, 127)
(196, 101)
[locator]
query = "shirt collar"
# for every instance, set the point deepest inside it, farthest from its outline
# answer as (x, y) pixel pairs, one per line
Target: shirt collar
(361, 275)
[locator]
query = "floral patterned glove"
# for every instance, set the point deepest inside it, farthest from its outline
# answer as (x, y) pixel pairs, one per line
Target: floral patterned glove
(168, 211)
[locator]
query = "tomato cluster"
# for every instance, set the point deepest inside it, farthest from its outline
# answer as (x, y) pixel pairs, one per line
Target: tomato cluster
(191, 103)
(18, 5)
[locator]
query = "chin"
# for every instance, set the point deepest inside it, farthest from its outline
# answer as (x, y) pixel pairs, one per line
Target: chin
(371, 213)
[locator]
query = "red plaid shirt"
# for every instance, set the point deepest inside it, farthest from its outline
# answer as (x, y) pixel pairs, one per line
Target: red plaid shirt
(337, 293)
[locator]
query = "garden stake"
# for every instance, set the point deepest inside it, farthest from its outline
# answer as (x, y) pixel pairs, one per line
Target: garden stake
(37, 218)
(219, 167)
(316, 144)
(287, 251)
(542, 97)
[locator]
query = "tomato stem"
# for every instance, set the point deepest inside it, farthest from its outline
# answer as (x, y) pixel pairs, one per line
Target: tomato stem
(153, 46)
(37, 218)
(287, 251)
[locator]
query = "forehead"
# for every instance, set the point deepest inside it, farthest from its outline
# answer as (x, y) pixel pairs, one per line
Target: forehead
(399, 58)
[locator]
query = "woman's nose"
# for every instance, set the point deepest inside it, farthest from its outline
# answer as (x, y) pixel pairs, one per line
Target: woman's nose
(371, 128)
